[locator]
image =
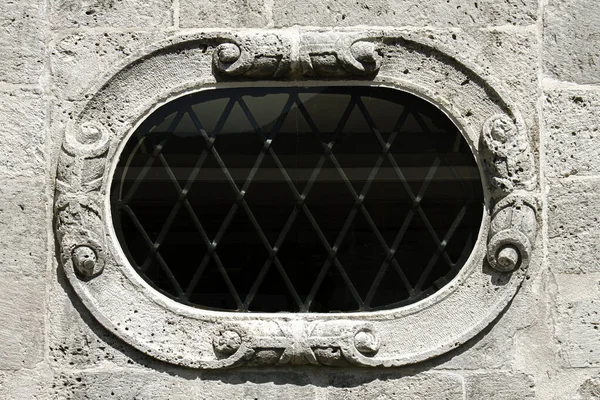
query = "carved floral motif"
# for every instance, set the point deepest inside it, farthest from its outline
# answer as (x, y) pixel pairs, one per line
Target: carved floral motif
(299, 342)
(77, 202)
(509, 163)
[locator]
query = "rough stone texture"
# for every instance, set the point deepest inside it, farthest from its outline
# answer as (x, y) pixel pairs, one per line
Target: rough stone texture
(264, 385)
(545, 345)
(76, 339)
(578, 319)
(572, 40)
(22, 319)
(79, 60)
(573, 225)
(578, 332)
(435, 386)
(209, 14)
(22, 132)
(590, 389)
(23, 242)
(110, 13)
(333, 13)
(572, 132)
(499, 386)
(30, 384)
(489, 49)
(22, 35)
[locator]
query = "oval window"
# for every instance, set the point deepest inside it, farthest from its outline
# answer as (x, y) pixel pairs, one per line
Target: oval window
(313, 199)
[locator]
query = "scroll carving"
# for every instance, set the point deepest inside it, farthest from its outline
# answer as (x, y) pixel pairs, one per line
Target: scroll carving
(509, 164)
(252, 58)
(345, 56)
(299, 342)
(78, 217)
(320, 55)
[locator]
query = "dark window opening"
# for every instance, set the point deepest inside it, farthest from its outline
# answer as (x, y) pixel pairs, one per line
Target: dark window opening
(315, 199)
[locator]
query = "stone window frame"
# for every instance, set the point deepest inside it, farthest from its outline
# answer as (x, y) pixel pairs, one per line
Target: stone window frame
(124, 303)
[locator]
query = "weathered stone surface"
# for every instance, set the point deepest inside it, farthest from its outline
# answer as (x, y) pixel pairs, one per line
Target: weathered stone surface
(79, 60)
(22, 34)
(110, 13)
(130, 383)
(495, 347)
(76, 339)
(222, 14)
(265, 385)
(499, 385)
(572, 40)
(24, 238)
(434, 386)
(22, 133)
(22, 317)
(578, 331)
(590, 389)
(509, 57)
(578, 319)
(404, 13)
(26, 383)
(573, 225)
(572, 132)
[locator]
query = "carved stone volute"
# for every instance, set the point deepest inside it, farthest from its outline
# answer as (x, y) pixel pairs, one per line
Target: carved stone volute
(510, 168)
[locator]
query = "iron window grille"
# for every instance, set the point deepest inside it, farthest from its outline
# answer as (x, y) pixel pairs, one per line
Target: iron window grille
(297, 199)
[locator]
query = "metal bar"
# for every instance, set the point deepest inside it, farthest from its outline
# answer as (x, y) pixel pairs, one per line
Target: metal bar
(242, 202)
(441, 249)
(157, 150)
(159, 258)
(332, 252)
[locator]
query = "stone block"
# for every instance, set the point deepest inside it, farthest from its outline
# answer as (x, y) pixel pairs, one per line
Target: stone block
(574, 225)
(578, 333)
(572, 132)
(22, 315)
(22, 35)
(578, 320)
(572, 40)
(131, 383)
(499, 385)
(433, 386)
(303, 384)
(222, 14)
(30, 384)
(22, 133)
(24, 226)
(110, 13)
(404, 13)
(79, 60)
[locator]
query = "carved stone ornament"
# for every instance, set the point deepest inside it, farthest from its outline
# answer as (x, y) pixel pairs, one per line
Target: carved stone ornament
(122, 301)
(511, 170)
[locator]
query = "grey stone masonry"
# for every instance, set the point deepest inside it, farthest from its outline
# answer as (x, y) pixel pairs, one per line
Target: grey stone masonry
(542, 55)
(572, 40)
(234, 13)
(448, 13)
(22, 41)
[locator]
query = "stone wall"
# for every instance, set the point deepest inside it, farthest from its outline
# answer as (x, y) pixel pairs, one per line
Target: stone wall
(546, 53)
